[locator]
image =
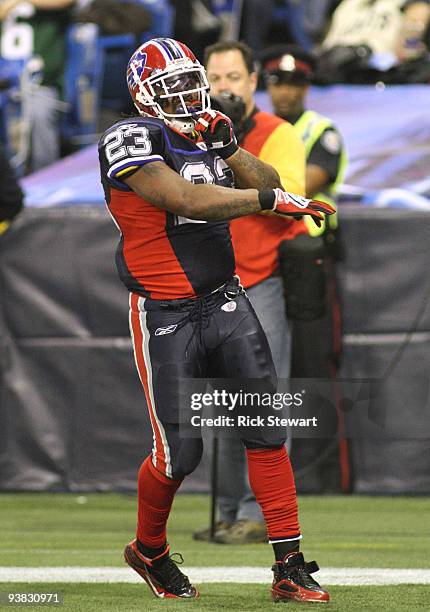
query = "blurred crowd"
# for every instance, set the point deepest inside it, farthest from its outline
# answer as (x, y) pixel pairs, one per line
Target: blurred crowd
(52, 100)
(352, 40)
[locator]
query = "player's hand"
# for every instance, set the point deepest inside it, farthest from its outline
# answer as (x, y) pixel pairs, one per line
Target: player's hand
(217, 132)
(296, 206)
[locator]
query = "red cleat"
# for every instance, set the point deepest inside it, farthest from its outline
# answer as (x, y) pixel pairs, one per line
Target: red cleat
(292, 581)
(165, 579)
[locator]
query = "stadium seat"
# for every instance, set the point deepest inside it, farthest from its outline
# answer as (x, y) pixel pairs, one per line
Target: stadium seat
(114, 93)
(95, 70)
(87, 58)
(162, 14)
(10, 72)
(82, 78)
(94, 77)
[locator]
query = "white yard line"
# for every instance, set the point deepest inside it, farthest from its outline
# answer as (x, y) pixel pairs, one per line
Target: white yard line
(259, 575)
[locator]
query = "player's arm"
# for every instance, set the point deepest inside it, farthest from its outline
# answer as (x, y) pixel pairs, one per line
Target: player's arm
(131, 157)
(6, 6)
(249, 171)
(165, 189)
(52, 4)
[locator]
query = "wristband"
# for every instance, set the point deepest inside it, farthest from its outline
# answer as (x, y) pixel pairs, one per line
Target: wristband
(266, 198)
(228, 150)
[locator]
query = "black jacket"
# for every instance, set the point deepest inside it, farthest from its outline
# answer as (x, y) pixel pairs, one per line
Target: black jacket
(11, 196)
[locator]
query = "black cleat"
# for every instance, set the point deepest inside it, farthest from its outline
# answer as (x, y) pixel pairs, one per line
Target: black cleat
(293, 581)
(166, 579)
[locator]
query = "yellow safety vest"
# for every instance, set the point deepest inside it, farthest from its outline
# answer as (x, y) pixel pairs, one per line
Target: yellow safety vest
(310, 126)
(4, 225)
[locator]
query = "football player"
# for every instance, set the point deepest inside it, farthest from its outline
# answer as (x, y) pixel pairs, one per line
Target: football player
(168, 176)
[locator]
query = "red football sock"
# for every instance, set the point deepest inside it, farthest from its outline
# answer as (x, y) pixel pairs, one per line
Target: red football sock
(272, 481)
(155, 497)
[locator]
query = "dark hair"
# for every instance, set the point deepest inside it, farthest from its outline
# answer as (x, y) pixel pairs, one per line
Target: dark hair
(232, 45)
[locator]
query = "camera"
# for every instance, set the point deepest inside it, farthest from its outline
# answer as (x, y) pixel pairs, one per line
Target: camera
(231, 105)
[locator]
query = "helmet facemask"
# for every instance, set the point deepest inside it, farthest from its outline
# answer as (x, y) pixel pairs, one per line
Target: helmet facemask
(178, 95)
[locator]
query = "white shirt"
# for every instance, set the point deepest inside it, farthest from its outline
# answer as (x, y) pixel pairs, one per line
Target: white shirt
(356, 22)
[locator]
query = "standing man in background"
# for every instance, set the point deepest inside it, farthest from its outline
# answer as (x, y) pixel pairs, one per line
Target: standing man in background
(392, 27)
(230, 69)
(287, 71)
(37, 29)
(316, 342)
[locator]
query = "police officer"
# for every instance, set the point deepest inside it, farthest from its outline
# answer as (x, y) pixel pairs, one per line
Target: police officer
(288, 72)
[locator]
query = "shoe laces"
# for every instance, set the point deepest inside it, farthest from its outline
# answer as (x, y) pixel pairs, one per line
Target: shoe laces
(170, 572)
(297, 570)
(200, 310)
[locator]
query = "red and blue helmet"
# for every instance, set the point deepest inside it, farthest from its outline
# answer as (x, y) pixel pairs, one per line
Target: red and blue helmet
(166, 81)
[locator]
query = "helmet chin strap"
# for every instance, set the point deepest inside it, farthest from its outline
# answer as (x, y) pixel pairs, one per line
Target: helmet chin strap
(187, 123)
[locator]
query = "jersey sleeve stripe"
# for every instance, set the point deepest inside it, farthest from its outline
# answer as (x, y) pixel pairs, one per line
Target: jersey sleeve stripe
(122, 172)
(132, 161)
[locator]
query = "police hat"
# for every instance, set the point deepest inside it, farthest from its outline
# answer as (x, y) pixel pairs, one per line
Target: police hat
(287, 64)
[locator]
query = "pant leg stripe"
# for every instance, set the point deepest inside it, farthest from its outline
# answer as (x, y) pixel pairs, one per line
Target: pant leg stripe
(137, 339)
(148, 367)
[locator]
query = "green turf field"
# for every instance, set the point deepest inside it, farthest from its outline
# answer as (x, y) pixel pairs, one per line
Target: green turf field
(71, 530)
(243, 598)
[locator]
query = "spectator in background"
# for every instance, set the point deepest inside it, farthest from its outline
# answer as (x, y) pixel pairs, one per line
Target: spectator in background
(301, 21)
(287, 71)
(11, 196)
(255, 22)
(196, 24)
(37, 28)
(375, 33)
(413, 37)
(230, 69)
(316, 16)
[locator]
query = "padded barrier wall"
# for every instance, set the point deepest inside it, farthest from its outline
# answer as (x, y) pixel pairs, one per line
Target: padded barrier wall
(72, 411)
